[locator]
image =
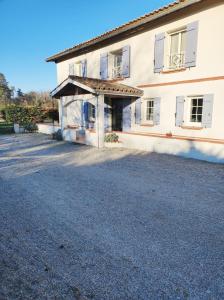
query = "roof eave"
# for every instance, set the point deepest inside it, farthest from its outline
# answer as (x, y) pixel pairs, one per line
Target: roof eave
(126, 27)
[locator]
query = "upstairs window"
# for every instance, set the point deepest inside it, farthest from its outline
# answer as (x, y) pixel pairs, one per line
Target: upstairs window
(115, 64)
(79, 68)
(116, 58)
(177, 46)
(176, 49)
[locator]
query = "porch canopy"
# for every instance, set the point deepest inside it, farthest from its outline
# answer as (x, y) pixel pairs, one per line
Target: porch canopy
(75, 85)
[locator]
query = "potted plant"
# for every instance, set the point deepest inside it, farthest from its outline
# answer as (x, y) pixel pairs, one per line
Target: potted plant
(169, 134)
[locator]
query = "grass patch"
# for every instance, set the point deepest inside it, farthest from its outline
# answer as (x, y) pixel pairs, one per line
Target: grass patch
(6, 128)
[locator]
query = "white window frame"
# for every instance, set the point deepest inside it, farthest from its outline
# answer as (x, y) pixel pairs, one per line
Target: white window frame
(144, 111)
(69, 66)
(78, 68)
(180, 55)
(188, 111)
(91, 112)
(115, 69)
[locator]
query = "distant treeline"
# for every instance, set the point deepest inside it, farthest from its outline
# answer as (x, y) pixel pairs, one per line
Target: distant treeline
(8, 95)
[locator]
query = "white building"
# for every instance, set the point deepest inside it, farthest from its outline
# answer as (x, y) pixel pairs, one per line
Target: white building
(157, 81)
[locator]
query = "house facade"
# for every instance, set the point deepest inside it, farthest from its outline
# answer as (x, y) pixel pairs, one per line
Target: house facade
(158, 82)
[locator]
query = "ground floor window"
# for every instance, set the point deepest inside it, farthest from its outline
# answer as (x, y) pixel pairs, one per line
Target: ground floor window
(149, 110)
(91, 112)
(196, 109)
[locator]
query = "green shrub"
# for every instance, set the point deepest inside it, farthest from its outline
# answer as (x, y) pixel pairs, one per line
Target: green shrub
(23, 115)
(111, 138)
(31, 127)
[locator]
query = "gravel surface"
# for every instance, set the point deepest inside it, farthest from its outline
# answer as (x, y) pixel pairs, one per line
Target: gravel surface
(82, 223)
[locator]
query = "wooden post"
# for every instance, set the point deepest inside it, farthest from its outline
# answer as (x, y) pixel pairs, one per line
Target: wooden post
(100, 120)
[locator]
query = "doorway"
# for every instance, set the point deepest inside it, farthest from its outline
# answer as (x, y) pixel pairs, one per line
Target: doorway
(121, 114)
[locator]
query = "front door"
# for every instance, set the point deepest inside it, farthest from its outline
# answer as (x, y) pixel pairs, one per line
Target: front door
(121, 115)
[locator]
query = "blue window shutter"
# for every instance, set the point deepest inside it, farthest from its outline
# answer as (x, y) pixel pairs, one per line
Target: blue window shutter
(138, 111)
(191, 45)
(207, 110)
(156, 111)
(84, 68)
(104, 66)
(126, 61)
(159, 52)
(71, 69)
(180, 110)
(86, 111)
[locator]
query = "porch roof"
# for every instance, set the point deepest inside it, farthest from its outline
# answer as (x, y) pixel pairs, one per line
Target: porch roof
(75, 85)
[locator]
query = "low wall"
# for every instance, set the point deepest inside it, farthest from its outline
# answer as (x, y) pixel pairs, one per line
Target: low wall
(47, 128)
(80, 136)
(212, 152)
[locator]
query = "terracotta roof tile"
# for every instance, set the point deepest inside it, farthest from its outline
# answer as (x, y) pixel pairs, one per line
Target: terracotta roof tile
(100, 86)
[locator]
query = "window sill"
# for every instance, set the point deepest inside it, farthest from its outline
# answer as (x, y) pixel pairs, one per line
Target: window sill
(173, 71)
(147, 125)
(192, 127)
(116, 79)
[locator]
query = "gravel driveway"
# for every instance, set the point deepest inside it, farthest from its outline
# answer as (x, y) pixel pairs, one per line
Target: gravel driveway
(82, 223)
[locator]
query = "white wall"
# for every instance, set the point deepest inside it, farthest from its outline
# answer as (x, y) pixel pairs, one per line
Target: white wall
(210, 63)
(210, 59)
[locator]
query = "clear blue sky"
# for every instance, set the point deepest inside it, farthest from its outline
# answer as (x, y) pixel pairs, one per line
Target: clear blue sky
(32, 30)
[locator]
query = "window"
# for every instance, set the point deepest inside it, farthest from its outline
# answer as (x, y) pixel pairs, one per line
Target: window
(177, 46)
(71, 70)
(92, 112)
(78, 69)
(116, 61)
(149, 110)
(196, 109)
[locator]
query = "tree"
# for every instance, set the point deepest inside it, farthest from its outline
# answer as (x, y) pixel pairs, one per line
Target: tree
(5, 91)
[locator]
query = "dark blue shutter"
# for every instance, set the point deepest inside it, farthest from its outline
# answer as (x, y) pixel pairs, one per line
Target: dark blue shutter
(207, 110)
(180, 110)
(84, 68)
(159, 53)
(126, 61)
(191, 45)
(86, 111)
(104, 66)
(138, 111)
(156, 111)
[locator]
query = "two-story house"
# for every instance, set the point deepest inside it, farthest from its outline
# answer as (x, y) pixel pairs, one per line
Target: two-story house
(157, 81)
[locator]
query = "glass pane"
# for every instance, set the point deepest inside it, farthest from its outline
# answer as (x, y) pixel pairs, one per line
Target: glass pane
(174, 43)
(194, 110)
(193, 118)
(199, 110)
(199, 118)
(200, 102)
(194, 102)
